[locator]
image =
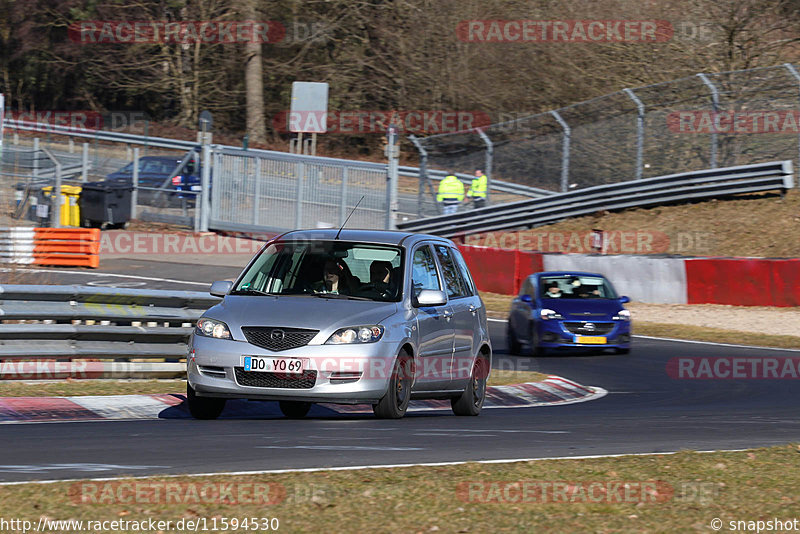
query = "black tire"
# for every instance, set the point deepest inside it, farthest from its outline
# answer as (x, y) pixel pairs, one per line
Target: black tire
(295, 409)
(394, 404)
(533, 343)
(514, 346)
(471, 401)
(203, 407)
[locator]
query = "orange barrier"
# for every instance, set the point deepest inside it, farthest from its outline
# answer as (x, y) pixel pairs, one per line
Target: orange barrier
(74, 247)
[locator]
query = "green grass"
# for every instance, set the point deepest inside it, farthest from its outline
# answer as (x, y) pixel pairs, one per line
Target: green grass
(692, 489)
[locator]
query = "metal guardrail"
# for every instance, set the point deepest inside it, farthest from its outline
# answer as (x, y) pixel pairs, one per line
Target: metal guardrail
(712, 183)
(97, 322)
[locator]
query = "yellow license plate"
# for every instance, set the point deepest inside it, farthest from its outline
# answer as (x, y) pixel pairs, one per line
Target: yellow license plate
(590, 340)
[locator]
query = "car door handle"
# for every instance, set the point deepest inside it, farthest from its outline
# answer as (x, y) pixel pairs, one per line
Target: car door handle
(447, 314)
(473, 309)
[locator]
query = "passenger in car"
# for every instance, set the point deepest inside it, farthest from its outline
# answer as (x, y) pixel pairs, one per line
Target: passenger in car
(553, 291)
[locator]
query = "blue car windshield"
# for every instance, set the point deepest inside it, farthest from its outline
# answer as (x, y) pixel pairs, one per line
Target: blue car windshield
(331, 269)
(575, 287)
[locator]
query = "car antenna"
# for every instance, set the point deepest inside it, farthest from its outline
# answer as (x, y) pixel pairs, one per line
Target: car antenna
(348, 217)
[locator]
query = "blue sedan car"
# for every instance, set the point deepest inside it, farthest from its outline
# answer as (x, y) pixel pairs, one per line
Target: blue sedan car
(568, 310)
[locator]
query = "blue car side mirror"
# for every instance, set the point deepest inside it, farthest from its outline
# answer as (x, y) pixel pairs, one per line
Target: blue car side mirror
(624, 300)
(526, 298)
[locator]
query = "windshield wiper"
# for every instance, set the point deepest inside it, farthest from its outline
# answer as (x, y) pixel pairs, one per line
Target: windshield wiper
(251, 291)
(338, 296)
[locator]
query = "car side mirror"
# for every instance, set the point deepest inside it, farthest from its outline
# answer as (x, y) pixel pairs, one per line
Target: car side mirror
(430, 297)
(220, 288)
(526, 298)
(624, 300)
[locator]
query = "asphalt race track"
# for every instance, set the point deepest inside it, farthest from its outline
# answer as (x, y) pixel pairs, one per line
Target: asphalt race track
(645, 411)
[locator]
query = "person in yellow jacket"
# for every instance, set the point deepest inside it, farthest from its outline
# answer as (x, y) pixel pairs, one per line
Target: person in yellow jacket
(477, 191)
(451, 193)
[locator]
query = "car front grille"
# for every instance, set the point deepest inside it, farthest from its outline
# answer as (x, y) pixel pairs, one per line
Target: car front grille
(259, 379)
(277, 339)
(599, 329)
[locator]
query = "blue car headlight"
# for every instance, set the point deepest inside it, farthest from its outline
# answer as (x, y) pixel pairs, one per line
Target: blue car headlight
(212, 328)
(356, 334)
(622, 315)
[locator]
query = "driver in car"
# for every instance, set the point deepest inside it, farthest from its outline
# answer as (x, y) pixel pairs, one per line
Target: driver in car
(334, 279)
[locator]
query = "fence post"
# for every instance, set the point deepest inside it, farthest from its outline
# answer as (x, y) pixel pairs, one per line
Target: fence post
(343, 203)
(639, 133)
(257, 195)
(564, 151)
(35, 162)
(135, 183)
(56, 220)
(488, 164)
(298, 212)
(423, 171)
(205, 185)
(793, 72)
(85, 162)
(715, 109)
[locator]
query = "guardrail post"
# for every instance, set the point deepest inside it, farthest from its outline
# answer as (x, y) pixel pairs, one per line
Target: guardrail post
(423, 171)
(564, 150)
(793, 72)
(56, 221)
(205, 184)
(298, 212)
(135, 182)
(639, 132)
(488, 164)
(715, 109)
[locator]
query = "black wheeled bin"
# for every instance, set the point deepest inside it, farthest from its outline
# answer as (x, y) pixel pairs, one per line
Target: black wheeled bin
(105, 202)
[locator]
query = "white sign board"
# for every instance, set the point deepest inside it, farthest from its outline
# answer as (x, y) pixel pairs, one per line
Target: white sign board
(309, 110)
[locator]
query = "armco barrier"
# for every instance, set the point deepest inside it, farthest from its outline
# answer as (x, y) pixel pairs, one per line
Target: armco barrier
(743, 281)
(74, 247)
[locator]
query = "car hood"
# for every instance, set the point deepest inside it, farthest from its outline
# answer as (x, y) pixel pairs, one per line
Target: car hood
(584, 309)
(321, 314)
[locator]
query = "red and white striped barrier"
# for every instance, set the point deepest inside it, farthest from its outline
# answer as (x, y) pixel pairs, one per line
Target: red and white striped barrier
(75, 247)
(732, 281)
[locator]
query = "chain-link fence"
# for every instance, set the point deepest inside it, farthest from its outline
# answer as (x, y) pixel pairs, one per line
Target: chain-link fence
(698, 122)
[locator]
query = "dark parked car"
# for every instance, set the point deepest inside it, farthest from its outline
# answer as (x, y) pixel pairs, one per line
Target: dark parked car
(568, 310)
(156, 172)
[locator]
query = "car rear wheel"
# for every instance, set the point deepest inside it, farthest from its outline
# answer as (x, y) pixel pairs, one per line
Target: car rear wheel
(394, 404)
(294, 409)
(203, 407)
(471, 401)
(514, 346)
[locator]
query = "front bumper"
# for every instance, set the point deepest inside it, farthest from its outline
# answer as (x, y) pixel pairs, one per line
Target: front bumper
(346, 374)
(555, 334)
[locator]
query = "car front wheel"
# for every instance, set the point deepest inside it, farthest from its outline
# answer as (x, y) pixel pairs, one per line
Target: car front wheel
(394, 403)
(203, 407)
(471, 401)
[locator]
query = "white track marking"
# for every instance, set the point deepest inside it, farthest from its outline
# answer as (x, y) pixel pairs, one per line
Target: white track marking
(364, 467)
(135, 277)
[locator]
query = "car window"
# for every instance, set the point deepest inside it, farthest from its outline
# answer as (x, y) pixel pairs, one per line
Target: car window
(527, 288)
(423, 271)
(576, 287)
(466, 276)
(454, 284)
(324, 267)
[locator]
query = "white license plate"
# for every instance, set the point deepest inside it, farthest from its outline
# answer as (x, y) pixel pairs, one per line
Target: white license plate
(272, 365)
(197, 188)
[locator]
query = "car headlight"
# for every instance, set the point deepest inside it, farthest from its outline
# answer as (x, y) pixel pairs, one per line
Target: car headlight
(356, 334)
(211, 328)
(622, 315)
(549, 314)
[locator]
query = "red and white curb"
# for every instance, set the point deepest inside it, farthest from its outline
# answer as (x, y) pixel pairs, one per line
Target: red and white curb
(551, 392)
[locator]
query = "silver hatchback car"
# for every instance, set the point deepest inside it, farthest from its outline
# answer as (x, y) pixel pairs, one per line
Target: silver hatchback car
(347, 317)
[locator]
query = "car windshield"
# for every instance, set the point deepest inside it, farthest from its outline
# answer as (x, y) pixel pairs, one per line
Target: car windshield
(575, 287)
(330, 269)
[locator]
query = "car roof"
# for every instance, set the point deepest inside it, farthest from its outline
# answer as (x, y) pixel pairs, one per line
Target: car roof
(384, 237)
(566, 273)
